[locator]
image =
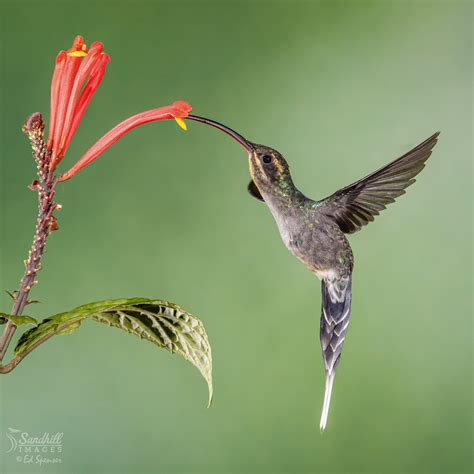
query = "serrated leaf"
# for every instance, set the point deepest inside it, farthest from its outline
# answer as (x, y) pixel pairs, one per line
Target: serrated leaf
(69, 329)
(165, 324)
(17, 320)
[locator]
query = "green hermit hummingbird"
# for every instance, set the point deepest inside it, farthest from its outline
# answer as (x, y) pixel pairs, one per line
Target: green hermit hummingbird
(315, 231)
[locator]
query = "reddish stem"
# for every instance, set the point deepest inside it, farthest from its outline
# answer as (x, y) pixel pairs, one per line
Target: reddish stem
(45, 186)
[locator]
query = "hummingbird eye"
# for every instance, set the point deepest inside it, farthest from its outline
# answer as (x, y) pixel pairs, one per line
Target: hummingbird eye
(267, 159)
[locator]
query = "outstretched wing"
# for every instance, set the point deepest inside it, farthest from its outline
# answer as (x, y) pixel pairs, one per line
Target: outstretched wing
(357, 204)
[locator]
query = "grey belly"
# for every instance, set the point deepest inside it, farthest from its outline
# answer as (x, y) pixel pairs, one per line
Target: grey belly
(317, 249)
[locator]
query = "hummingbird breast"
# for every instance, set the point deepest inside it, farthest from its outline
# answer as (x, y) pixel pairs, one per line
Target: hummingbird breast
(314, 239)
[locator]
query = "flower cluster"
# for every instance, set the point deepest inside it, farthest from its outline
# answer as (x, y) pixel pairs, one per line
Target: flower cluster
(77, 75)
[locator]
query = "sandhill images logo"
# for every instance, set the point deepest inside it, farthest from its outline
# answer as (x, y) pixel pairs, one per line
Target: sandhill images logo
(45, 448)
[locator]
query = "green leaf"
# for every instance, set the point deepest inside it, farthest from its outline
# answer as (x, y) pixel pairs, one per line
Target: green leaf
(165, 324)
(17, 320)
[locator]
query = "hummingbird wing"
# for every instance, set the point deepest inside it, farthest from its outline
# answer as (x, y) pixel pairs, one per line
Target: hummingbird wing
(253, 190)
(357, 204)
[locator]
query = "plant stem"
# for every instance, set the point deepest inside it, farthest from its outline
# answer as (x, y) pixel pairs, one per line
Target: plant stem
(5, 369)
(46, 222)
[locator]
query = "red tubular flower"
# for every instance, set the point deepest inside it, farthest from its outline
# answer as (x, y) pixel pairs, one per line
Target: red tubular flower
(77, 75)
(178, 110)
(74, 69)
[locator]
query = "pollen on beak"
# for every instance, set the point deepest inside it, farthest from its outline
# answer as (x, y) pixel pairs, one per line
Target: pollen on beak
(181, 123)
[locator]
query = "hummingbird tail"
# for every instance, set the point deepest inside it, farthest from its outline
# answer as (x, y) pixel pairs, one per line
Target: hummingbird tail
(335, 314)
(327, 400)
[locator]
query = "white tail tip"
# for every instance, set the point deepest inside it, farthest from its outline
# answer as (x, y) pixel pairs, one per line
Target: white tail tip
(327, 401)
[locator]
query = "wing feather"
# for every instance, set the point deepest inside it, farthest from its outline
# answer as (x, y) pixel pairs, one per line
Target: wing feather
(357, 204)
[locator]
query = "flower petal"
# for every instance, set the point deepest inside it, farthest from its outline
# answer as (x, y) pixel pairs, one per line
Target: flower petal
(78, 47)
(71, 67)
(179, 109)
(87, 93)
(87, 65)
(58, 70)
(181, 123)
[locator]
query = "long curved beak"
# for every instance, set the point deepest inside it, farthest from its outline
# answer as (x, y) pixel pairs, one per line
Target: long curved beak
(236, 136)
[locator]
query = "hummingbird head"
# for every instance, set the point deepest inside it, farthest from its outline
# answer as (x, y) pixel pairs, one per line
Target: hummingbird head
(269, 170)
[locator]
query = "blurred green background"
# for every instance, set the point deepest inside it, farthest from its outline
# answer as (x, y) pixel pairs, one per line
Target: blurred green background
(340, 88)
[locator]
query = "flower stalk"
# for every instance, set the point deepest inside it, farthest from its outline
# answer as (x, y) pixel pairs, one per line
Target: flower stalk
(46, 222)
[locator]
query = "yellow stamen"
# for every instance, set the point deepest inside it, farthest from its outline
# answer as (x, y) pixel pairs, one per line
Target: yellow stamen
(77, 54)
(181, 123)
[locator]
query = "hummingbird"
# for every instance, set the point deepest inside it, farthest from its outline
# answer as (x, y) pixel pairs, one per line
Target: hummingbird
(314, 231)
